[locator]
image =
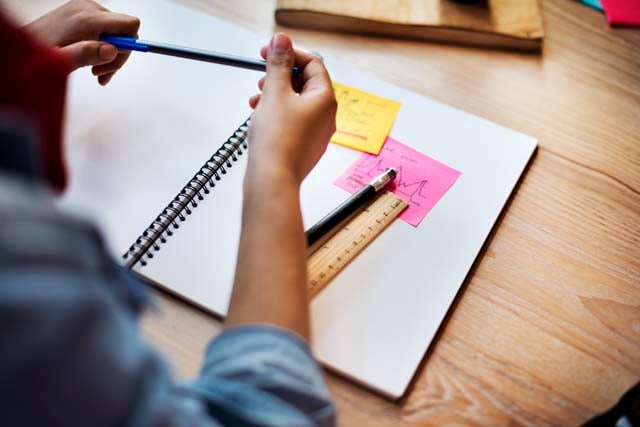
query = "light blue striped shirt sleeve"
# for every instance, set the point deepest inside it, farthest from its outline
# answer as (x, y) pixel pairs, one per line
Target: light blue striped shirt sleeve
(72, 355)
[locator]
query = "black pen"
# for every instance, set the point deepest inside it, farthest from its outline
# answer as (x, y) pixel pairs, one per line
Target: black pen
(322, 231)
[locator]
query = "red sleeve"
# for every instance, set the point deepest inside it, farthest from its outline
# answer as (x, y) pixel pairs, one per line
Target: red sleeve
(32, 86)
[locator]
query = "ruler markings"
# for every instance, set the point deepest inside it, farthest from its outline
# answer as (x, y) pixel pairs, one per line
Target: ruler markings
(327, 261)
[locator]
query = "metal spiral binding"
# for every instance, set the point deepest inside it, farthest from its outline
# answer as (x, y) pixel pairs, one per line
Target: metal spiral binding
(187, 199)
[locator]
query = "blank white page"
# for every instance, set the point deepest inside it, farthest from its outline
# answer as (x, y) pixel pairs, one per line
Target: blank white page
(133, 145)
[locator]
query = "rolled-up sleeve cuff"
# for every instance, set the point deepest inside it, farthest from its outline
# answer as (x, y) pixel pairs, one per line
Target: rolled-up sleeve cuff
(257, 372)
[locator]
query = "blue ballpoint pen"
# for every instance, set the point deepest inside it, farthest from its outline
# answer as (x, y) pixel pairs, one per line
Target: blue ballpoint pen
(130, 43)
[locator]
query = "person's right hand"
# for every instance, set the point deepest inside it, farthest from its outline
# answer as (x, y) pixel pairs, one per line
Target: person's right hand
(290, 131)
(75, 28)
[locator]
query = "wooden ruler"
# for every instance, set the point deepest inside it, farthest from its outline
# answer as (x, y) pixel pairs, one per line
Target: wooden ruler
(328, 260)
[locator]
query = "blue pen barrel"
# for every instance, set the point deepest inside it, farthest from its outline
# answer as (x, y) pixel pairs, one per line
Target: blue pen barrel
(125, 43)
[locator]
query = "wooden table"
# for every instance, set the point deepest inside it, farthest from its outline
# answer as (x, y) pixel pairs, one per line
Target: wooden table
(546, 331)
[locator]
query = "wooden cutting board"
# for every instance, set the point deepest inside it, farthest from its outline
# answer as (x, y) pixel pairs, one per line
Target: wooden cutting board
(510, 24)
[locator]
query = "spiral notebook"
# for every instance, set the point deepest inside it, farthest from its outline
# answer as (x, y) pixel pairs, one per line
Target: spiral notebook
(157, 159)
(183, 204)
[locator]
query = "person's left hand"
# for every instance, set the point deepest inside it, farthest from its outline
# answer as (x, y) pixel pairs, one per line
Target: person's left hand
(75, 28)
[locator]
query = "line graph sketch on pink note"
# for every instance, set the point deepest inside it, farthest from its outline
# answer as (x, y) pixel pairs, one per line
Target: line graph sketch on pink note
(421, 180)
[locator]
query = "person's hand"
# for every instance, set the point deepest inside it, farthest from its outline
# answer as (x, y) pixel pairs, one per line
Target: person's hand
(289, 130)
(76, 27)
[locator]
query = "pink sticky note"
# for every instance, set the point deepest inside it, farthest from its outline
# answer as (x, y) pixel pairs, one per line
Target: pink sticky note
(421, 181)
(622, 12)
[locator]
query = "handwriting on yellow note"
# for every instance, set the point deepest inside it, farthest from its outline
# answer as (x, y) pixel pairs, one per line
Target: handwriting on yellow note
(363, 120)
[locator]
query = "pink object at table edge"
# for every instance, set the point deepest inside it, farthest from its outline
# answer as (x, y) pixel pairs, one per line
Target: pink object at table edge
(622, 12)
(421, 181)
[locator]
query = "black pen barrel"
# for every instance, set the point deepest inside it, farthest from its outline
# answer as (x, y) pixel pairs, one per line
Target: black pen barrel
(326, 227)
(206, 56)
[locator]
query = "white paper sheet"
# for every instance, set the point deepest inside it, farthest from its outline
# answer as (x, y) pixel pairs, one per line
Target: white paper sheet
(133, 145)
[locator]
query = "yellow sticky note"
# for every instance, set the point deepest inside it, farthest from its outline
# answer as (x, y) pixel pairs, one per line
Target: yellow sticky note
(363, 120)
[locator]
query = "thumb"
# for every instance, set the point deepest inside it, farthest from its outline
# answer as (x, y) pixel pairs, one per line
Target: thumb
(280, 61)
(90, 53)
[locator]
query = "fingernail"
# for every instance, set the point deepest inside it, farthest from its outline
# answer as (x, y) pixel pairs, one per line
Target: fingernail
(107, 51)
(105, 79)
(280, 43)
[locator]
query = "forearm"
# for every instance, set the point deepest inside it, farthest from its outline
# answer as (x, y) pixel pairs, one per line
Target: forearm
(289, 133)
(271, 271)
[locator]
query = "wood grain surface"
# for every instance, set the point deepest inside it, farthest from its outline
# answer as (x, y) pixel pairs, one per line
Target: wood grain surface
(503, 23)
(546, 330)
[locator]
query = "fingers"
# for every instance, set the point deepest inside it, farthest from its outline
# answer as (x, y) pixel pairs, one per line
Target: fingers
(280, 55)
(116, 24)
(111, 67)
(314, 76)
(301, 58)
(113, 24)
(280, 60)
(87, 53)
(104, 58)
(105, 79)
(254, 101)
